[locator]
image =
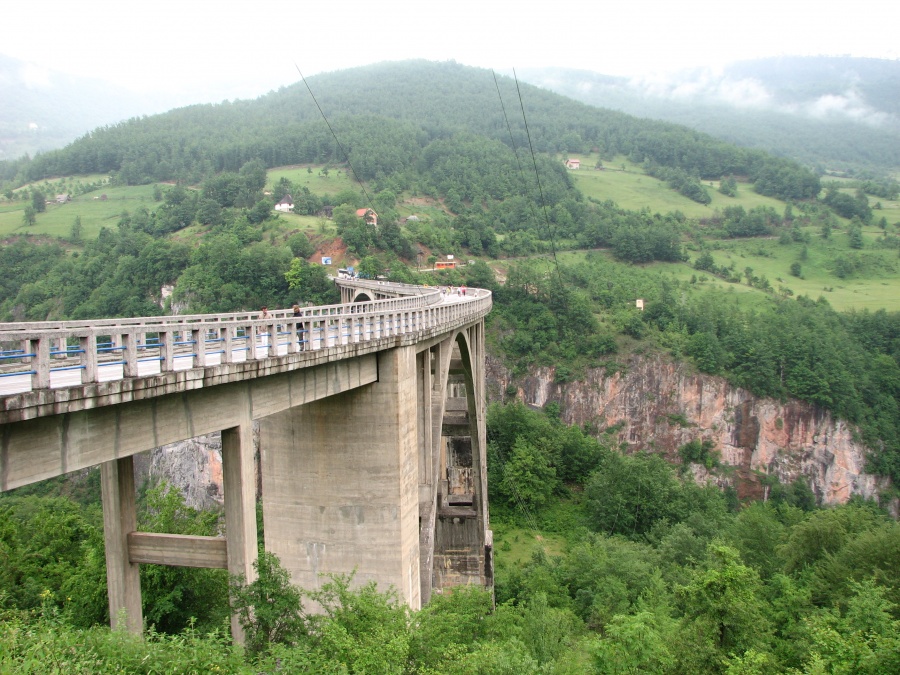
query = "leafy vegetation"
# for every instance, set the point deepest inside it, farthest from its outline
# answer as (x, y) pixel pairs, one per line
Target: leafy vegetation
(631, 569)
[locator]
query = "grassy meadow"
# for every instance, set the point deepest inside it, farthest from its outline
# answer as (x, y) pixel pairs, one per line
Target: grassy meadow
(337, 179)
(632, 189)
(95, 213)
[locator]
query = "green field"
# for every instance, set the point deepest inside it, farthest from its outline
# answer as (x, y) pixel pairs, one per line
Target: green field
(632, 189)
(514, 546)
(337, 180)
(95, 213)
(875, 286)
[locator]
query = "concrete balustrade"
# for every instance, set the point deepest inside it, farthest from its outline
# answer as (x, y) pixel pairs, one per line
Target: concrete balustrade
(154, 345)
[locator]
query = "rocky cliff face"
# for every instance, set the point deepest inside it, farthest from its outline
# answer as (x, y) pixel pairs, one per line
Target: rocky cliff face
(653, 404)
(657, 405)
(195, 466)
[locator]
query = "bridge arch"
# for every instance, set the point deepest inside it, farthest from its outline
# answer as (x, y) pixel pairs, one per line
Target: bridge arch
(456, 543)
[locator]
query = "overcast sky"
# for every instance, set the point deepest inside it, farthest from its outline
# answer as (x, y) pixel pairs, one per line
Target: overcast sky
(244, 49)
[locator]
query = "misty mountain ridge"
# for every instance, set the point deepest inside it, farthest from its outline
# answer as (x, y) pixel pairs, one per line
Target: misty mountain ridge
(832, 112)
(43, 109)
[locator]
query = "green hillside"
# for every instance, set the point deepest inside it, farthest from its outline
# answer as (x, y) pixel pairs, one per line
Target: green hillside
(838, 114)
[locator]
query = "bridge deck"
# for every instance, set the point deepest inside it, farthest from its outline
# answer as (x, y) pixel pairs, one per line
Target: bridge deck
(47, 364)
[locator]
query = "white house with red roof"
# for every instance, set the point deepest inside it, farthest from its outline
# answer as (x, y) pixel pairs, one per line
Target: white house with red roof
(368, 215)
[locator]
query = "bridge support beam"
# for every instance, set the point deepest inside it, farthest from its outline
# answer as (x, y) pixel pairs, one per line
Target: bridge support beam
(239, 482)
(341, 483)
(123, 580)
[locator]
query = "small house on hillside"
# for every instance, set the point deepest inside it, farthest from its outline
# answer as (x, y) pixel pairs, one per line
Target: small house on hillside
(368, 215)
(573, 163)
(286, 205)
(327, 211)
(62, 199)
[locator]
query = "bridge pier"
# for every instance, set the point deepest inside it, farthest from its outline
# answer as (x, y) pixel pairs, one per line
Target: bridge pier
(340, 483)
(123, 580)
(239, 482)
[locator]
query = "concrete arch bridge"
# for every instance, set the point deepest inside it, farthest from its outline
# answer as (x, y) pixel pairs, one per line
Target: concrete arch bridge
(371, 418)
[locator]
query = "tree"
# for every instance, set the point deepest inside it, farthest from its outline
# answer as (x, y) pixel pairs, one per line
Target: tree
(728, 187)
(269, 607)
(528, 476)
(300, 245)
(796, 270)
(629, 494)
(311, 283)
(260, 211)
(76, 229)
(29, 217)
(366, 630)
(724, 602)
(854, 232)
(39, 201)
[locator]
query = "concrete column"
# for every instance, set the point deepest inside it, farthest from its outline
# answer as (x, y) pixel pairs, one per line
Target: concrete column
(166, 351)
(88, 358)
(340, 483)
(240, 506)
(123, 580)
(40, 362)
(129, 354)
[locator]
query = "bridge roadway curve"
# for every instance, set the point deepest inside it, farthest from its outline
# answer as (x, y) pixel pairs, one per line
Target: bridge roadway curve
(58, 366)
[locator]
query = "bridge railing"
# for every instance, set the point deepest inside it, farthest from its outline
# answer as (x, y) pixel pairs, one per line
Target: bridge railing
(42, 355)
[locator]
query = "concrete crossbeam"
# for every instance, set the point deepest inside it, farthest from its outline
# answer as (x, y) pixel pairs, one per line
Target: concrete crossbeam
(181, 550)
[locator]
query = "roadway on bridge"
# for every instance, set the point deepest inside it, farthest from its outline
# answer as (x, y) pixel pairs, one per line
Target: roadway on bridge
(71, 376)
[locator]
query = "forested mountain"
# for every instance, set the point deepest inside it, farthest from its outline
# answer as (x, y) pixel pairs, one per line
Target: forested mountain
(834, 113)
(386, 116)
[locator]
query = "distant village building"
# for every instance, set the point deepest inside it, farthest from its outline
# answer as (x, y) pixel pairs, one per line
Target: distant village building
(368, 215)
(327, 211)
(413, 219)
(573, 163)
(639, 303)
(286, 205)
(62, 199)
(447, 264)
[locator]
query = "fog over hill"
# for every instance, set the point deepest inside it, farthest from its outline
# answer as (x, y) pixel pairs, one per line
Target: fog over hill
(832, 113)
(44, 110)
(835, 113)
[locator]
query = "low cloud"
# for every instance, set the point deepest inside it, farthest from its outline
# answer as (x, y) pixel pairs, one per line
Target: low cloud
(711, 87)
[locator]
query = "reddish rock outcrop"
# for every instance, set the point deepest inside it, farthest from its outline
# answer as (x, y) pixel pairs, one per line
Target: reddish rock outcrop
(659, 405)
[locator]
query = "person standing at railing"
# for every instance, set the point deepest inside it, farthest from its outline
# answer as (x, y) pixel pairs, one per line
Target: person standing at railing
(296, 309)
(265, 313)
